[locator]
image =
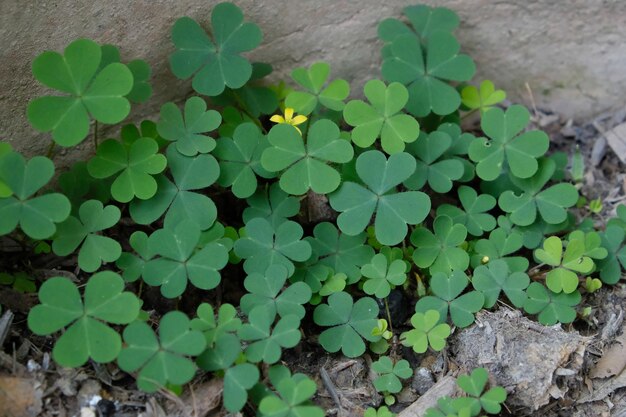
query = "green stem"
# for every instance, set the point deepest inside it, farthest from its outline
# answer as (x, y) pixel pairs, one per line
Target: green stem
(388, 315)
(50, 152)
(95, 135)
(242, 107)
(468, 114)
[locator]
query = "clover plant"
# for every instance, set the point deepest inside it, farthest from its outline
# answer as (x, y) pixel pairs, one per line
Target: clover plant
(288, 207)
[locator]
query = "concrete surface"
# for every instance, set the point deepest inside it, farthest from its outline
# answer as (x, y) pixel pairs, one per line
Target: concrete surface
(572, 53)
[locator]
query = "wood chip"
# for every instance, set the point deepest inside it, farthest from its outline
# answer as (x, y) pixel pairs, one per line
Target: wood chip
(616, 138)
(445, 387)
(613, 361)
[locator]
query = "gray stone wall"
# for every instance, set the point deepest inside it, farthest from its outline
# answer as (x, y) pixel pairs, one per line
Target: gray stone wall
(572, 53)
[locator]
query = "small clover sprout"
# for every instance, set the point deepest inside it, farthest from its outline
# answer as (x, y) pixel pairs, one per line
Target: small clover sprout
(427, 331)
(381, 275)
(94, 248)
(389, 374)
(448, 298)
(567, 264)
(474, 386)
(349, 323)
(313, 80)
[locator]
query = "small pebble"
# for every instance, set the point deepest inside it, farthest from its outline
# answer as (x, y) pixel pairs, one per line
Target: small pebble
(422, 380)
(106, 408)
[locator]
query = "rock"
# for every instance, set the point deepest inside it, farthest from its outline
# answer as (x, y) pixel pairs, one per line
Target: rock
(406, 396)
(521, 355)
(422, 380)
(20, 397)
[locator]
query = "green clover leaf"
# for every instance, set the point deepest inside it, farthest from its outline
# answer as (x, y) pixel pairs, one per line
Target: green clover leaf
(266, 291)
(389, 374)
(136, 166)
(147, 129)
(305, 165)
(94, 248)
(474, 385)
(433, 165)
(482, 98)
(238, 379)
(86, 335)
(551, 203)
(567, 265)
(424, 21)
(459, 148)
(133, 266)
(507, 146)
(266, 343)
(5, 190)
(341, 252)
(272, 204)
(349, 323)
(36, 216)
(240, 160)
(474, 214)
(612, 240)
(20, 282)
(178, 198)
(550, 306)
(214, 63)
(495, 277)
(293, 399)
(427, 330)
(214, 330)
(393, 210)
(447, 298)
(382, 411)
(142, 90)
(188, 130)
(592, 243)
(265, 245)
(179, 262)
(91, 92)
(425, 72)
(500, 244)
(164, 359)
(382, 275)
(440, 250)
(77, 185)
(313, 80)
(315, 275)
(382, 118)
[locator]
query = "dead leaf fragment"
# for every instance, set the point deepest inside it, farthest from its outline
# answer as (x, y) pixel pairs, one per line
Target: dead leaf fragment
(613, 361)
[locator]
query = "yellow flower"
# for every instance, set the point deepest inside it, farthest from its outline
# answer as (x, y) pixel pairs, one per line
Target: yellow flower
(289, 119)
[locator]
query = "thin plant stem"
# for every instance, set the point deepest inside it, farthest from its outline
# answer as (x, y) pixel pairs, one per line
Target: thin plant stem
(388, 315)
(50, 151)
(95, 135)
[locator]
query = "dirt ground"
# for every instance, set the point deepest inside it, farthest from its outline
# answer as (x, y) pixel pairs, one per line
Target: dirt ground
(573, 370)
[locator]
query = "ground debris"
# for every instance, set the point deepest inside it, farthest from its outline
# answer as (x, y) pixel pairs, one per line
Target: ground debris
(20, 397)
(613, 361)
(446, 386)
(532, 362)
